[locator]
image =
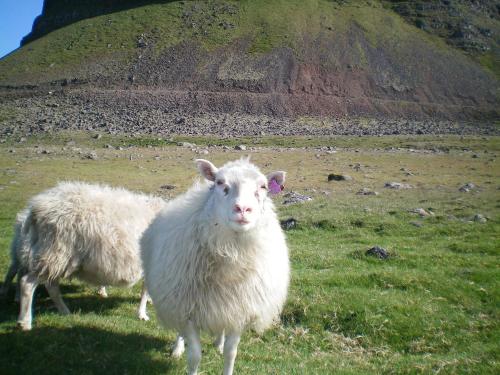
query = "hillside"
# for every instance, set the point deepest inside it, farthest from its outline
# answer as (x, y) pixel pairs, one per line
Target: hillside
(383, 59)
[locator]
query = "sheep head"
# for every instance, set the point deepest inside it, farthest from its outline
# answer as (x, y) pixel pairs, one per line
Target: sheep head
(240, 191)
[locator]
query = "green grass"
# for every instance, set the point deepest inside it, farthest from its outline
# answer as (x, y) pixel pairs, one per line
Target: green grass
(432, 307)
(449, 143)
(491, 61)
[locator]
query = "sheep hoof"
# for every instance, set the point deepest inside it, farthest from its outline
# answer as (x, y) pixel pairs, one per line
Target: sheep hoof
(24, 326)
(65, 311)
(102, 292)
(144, 317)
(177, 353)
(219, 344)
(220, 349)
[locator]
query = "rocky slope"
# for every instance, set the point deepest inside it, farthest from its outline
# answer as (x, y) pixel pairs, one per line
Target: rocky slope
(336, 59)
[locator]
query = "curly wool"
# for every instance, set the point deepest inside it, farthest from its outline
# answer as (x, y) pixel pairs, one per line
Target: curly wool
(198, 269)
(88, 231)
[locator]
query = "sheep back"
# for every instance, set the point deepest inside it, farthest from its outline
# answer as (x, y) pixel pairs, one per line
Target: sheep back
(89, 231)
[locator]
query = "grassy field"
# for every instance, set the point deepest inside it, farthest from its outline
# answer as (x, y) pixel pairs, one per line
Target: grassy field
(432, 307)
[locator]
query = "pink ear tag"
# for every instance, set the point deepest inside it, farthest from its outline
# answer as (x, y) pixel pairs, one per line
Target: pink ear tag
(274, 187)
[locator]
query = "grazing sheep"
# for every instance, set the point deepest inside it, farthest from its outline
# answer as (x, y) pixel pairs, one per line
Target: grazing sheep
(215, 259)
(88, 231)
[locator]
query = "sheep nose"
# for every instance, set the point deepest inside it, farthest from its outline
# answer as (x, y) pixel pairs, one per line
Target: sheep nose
(242, 209)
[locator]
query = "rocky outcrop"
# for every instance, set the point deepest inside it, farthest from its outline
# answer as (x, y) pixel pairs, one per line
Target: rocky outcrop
(469, 25)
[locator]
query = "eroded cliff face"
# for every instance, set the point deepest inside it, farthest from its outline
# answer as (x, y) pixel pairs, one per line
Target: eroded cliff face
(315, 57)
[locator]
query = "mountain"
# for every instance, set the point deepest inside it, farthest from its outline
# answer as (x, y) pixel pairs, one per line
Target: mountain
(390, 59)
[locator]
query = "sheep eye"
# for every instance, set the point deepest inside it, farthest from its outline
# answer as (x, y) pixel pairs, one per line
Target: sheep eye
(264, 187)
(219, 182)
(226, 190)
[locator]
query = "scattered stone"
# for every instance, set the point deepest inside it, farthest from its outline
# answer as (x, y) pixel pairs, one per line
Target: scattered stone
(45, 152)
(416, 224)
(70, 143)
(378, 252)
(108, 146)
(294, 197)
(339, 177)
(91, 155)
(180, 120)
(357, 166)
(167, 187)
(397, 185)
(407, 172)
(22, 140)
(422, 212)
(478, 218)
(288, 224)
(186, 144)
(240, 147)
(97, 136)
(467, 187)
(366, 191)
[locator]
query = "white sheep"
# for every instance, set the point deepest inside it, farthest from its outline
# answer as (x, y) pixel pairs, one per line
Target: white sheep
(87, 231)
(215, 259)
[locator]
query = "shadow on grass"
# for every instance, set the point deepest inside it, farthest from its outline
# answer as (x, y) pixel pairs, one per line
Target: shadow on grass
(41, 291)
(82, 350)
(81, 303)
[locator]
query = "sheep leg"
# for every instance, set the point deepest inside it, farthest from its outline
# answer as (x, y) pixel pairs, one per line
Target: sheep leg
(102, 291)
(192, 336)
(55, 294)
(142, 312)
(219, 342)
(178, 348)
(11, 273)
(28, 285)
(17, 297)
(230, 350)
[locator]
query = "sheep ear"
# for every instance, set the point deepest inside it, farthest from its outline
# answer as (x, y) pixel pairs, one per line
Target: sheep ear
(276, 181)
(207, 169)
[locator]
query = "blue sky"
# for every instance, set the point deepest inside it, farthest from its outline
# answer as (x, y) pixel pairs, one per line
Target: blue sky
(16, 19)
